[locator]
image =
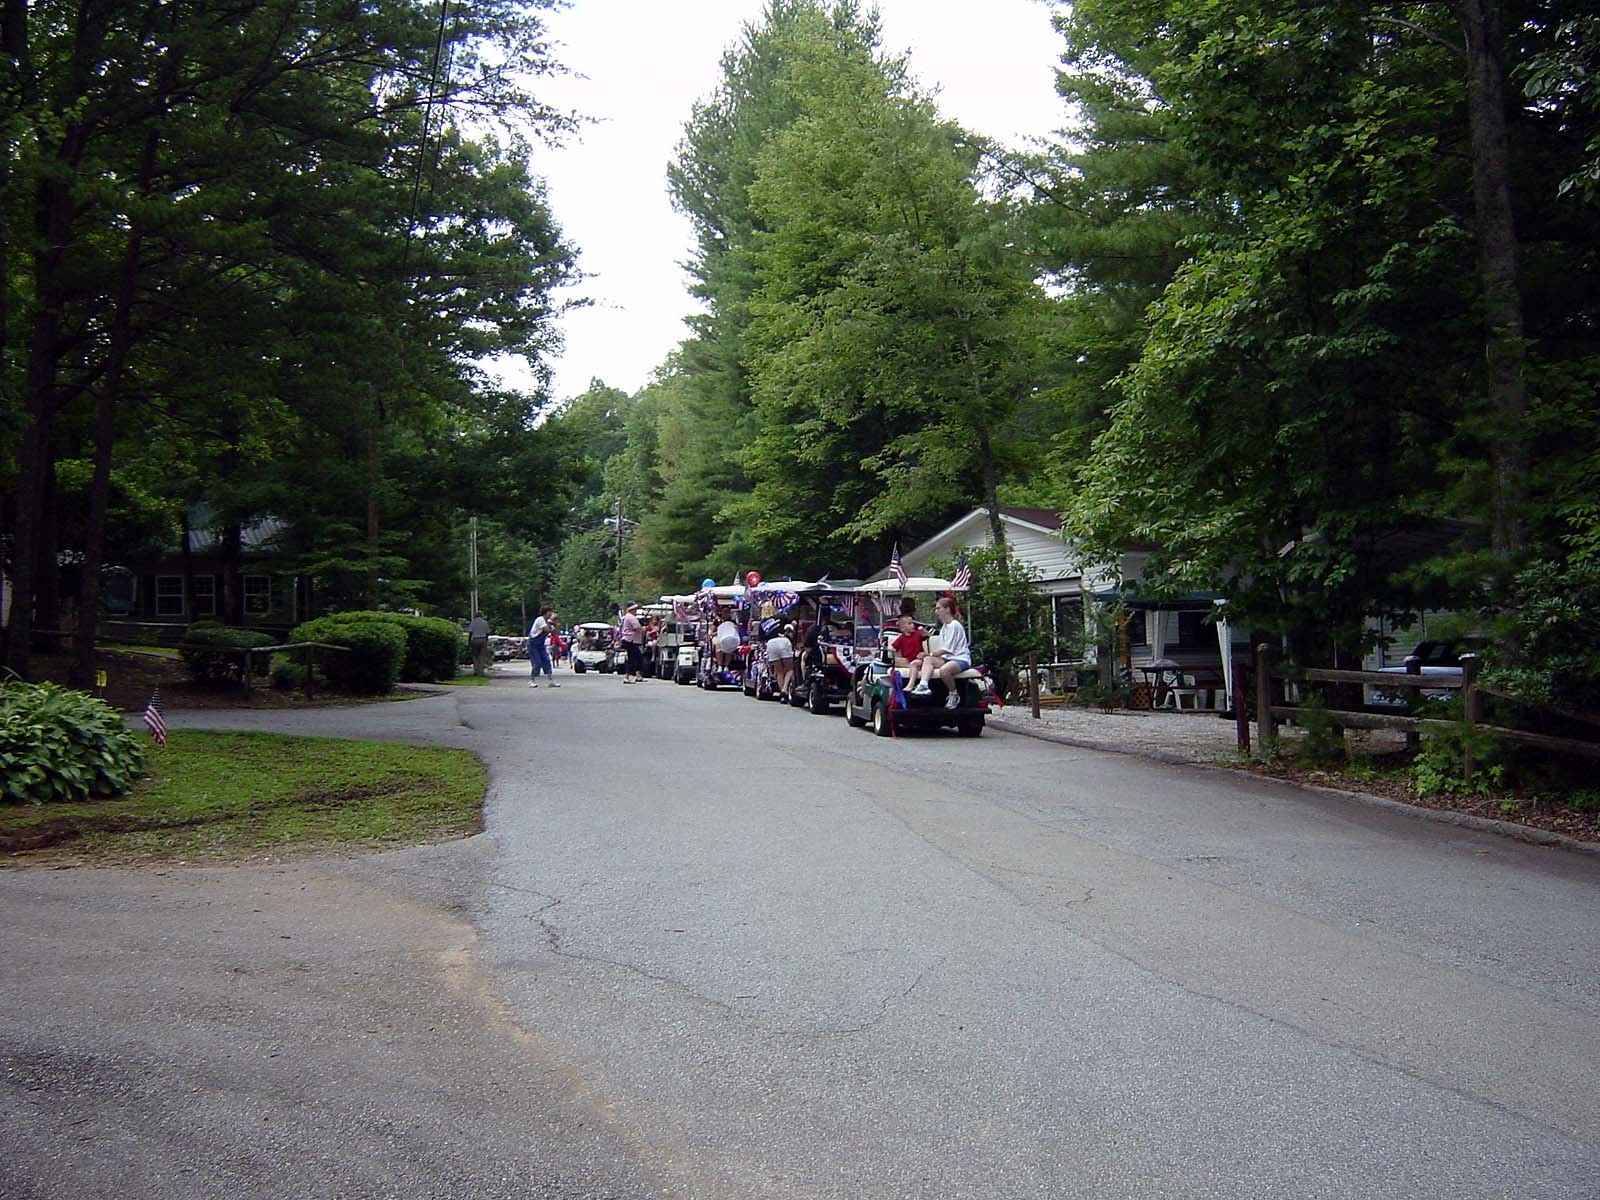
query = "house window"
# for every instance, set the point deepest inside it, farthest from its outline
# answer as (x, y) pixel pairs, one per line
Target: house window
(1069, 624)
(257, 594)
(169, 595)
(205, 595)
(1138, 633)
(1193, 632)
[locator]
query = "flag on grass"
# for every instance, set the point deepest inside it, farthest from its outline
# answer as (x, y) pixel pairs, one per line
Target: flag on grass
(154, 720)
(963, 572)
(897, 567)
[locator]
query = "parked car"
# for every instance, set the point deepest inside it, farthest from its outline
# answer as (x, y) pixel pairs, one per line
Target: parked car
(505, 648)
(1435, 658)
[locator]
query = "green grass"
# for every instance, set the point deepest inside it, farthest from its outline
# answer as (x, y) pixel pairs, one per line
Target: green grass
(235, 795)
(467, 680)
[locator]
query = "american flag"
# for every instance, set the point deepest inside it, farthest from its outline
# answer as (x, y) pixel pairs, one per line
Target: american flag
(963, 572)
(897, 567)
(154, 721)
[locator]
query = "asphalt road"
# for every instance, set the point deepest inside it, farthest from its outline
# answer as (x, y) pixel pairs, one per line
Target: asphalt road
(710, 948)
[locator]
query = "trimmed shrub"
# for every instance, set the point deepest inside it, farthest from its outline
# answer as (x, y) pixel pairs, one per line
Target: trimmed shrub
(376, 651)
(289, 672)
(210, 667)
(433, 646)
(57, 744)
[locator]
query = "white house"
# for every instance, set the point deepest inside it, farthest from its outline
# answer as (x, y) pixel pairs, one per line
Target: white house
(1181, 631)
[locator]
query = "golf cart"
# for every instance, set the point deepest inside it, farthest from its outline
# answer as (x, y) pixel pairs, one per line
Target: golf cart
(718, 605)
(592, 647)
(824, 619)
(880, 695)
(772, 605)
(677, 652)
(655, 617)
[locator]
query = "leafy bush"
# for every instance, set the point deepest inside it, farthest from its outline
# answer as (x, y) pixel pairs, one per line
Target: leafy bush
(376, 650)
(1440, 764)
(208, 666)
(433, 646)
(1323, 745)
(57, 744)
(289, 672)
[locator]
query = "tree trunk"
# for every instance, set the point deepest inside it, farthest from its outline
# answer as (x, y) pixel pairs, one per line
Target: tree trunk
(1482, 23)
(991, 499)
(105, 429)
(231, 611)
(186, 551)
(53, 219)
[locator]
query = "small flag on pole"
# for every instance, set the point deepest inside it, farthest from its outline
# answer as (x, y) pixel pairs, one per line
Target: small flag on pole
(963, 572)
(154, 721)
(897, 567)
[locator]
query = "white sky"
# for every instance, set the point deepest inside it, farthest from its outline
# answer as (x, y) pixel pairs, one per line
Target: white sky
(644, 63)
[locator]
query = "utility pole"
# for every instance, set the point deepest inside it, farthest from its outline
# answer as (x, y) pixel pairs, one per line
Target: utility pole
(472, 567)
(621, 599)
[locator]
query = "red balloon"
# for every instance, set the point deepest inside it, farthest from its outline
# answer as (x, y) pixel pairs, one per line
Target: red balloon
(752, 579)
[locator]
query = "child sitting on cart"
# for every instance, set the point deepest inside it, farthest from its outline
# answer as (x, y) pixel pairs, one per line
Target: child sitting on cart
(954, 657)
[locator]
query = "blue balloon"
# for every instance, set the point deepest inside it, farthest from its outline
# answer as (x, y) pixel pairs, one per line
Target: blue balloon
(708, 583)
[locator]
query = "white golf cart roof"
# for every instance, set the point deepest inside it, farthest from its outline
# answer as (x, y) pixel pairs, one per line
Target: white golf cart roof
(916, 583)
(726, 591)
(595, 625)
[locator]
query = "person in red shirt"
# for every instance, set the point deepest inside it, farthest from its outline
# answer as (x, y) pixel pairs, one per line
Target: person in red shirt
(911, 646)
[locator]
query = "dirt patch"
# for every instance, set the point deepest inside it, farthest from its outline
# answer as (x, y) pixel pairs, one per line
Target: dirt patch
(1533, 812)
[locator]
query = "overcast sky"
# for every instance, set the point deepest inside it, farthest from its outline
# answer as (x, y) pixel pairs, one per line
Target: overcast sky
(644, 63)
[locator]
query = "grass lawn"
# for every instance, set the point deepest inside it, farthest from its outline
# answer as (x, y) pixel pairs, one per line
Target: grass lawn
(221, 796)
(467, 680)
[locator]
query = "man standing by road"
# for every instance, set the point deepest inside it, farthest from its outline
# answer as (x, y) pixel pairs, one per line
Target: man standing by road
(538, 646)
(478, 643)
(633, 643)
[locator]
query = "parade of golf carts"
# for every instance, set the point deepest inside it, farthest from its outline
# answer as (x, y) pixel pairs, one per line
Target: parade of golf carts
(826, 646)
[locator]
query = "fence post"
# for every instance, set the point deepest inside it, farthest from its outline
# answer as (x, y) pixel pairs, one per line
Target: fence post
(1470, 700)
(1413, 667)
(1033, 681)
(1266, 723)
(1241, 707)
(311, 670)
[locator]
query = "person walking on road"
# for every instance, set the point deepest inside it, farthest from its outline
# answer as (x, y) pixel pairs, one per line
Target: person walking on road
(633, 643)
(478, 643)
(538, 646)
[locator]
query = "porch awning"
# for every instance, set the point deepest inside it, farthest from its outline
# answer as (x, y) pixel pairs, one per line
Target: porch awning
(1165, 604)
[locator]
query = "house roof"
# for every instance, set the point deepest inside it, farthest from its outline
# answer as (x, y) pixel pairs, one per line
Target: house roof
(1044, 518)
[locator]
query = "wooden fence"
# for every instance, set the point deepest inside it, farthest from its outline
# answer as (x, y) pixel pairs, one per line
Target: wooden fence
(1472, 690)
(247, 652)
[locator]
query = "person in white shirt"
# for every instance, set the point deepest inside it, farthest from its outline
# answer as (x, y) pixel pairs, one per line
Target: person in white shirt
(727, 643)
(538, 650)
(954, 656)
(780, 658)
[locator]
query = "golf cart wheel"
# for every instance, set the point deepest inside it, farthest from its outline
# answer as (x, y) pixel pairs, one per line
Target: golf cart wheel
(971, 726)
(797, 695)
(709, 683)
(850, 717)
(817, 699)
(882, 722)
(578, 668)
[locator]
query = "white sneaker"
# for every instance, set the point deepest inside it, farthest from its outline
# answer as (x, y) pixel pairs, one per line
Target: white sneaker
(535, 683)
(921, 689)
(954, 701)
(553, 683)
